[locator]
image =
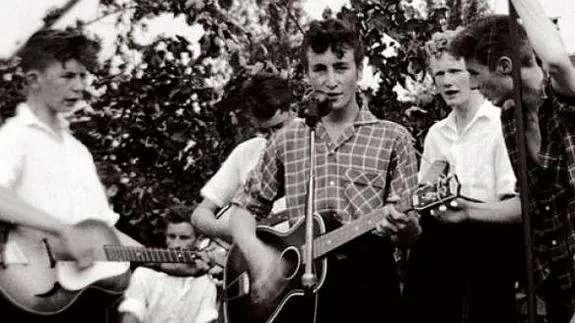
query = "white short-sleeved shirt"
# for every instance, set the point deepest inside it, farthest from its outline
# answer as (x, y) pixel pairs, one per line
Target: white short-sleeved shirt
(231, 176)
(478, 156)
(53, 172)
(155, 297)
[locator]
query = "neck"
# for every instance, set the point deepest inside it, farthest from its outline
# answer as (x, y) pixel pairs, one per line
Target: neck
(46, 115)
(342, 116)
(465, 112)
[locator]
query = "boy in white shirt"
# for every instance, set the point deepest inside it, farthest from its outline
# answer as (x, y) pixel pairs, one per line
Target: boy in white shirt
(461, 273)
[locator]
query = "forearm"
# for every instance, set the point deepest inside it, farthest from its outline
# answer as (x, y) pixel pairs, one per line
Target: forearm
(243, 230)
(183, 270)
(541, 31)
(205, 220)
(502, 212)
(129, 318)
(14, 210)
(546, 42)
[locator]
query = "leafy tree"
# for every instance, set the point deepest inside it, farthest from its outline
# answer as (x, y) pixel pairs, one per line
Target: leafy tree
(162, 118)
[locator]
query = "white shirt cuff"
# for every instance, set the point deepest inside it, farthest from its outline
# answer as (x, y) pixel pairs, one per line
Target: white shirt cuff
(133, 306)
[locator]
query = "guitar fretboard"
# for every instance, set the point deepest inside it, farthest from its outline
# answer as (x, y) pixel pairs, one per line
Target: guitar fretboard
(141, 254)
(338, 237)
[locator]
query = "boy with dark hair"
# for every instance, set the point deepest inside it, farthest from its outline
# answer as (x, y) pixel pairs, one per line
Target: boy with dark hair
(157, 297)
(364, 167)
(548, 96)
(48, 180)
(266, 100)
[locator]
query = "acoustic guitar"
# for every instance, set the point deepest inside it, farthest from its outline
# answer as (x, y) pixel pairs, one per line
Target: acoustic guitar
(40, 278)
(239, 307)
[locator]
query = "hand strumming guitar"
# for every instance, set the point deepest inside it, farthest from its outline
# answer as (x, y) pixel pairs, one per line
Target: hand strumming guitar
(78, 245)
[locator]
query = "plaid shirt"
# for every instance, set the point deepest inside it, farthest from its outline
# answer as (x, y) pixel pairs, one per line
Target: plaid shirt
(551, 188)
(372, 163)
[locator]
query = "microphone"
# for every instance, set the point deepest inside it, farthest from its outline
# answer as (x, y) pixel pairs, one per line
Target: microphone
(315, 109)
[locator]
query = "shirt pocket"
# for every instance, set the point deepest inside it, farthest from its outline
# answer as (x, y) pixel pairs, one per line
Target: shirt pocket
(364, 191)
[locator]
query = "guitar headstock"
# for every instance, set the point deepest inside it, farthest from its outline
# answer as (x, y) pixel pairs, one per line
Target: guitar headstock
(432, 194)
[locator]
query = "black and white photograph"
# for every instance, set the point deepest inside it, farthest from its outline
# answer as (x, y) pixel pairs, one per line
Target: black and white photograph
(287, 161)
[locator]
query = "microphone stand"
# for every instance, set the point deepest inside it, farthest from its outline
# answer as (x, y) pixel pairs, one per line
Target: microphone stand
(315, 110)
(309, 278)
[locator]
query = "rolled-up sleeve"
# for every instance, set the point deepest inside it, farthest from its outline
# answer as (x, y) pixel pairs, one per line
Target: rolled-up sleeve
(135, 297)
(265, 183)
(506, 182)
(11, 155)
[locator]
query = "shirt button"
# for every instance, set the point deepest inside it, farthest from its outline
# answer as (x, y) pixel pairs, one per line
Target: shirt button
(331, 183)
(553, 242)
(547, 208)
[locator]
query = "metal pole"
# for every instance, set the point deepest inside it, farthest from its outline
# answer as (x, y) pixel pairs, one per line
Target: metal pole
(524, 186)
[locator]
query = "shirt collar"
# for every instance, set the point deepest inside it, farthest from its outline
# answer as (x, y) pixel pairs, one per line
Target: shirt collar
(364, 116)
(484, 112)
(25, 114)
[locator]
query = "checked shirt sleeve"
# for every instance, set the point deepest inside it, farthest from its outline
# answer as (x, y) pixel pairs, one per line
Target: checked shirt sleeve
(403, 171)
(265, 183)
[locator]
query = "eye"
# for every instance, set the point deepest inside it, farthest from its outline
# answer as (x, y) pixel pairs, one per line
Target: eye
(318, 68)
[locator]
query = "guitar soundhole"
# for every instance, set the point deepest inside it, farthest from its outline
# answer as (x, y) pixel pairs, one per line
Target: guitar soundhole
(292, 259)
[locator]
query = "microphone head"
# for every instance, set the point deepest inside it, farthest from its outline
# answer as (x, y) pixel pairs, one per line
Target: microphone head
(316, 108)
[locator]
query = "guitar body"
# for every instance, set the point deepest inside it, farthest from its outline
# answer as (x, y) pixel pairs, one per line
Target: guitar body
(34, 282)
(239, 306)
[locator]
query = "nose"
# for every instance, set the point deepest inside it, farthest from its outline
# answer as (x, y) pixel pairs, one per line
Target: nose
(78, 84)
(331, 80)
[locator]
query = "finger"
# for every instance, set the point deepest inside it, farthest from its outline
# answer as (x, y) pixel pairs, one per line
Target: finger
(395, 214)
(385, 227)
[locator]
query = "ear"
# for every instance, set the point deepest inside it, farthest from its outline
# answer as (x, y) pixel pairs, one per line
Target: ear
(33, 78)
(504, 65)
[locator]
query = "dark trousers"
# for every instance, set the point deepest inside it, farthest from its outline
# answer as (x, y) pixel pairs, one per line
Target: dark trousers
(463, 274)
(559, 304)
(361, 285)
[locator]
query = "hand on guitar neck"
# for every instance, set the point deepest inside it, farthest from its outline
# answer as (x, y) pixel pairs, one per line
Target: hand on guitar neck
(401, 228)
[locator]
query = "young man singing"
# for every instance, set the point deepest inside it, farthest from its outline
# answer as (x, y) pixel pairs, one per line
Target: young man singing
(364, 167)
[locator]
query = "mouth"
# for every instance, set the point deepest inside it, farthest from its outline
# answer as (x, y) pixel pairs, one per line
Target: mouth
(451, 92)
(332, 96)
(71, 101)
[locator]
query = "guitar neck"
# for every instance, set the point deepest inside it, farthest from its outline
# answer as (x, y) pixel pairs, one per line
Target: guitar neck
(155, 255)
(338, 237)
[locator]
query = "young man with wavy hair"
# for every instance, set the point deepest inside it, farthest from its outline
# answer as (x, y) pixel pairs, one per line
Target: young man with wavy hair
(364, 167)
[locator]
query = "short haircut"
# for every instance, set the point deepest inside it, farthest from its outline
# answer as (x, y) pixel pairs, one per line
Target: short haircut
(488, 39)
(333, 34)
(440, 43)
(264, 95)
(175, 217)
(49, 45)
